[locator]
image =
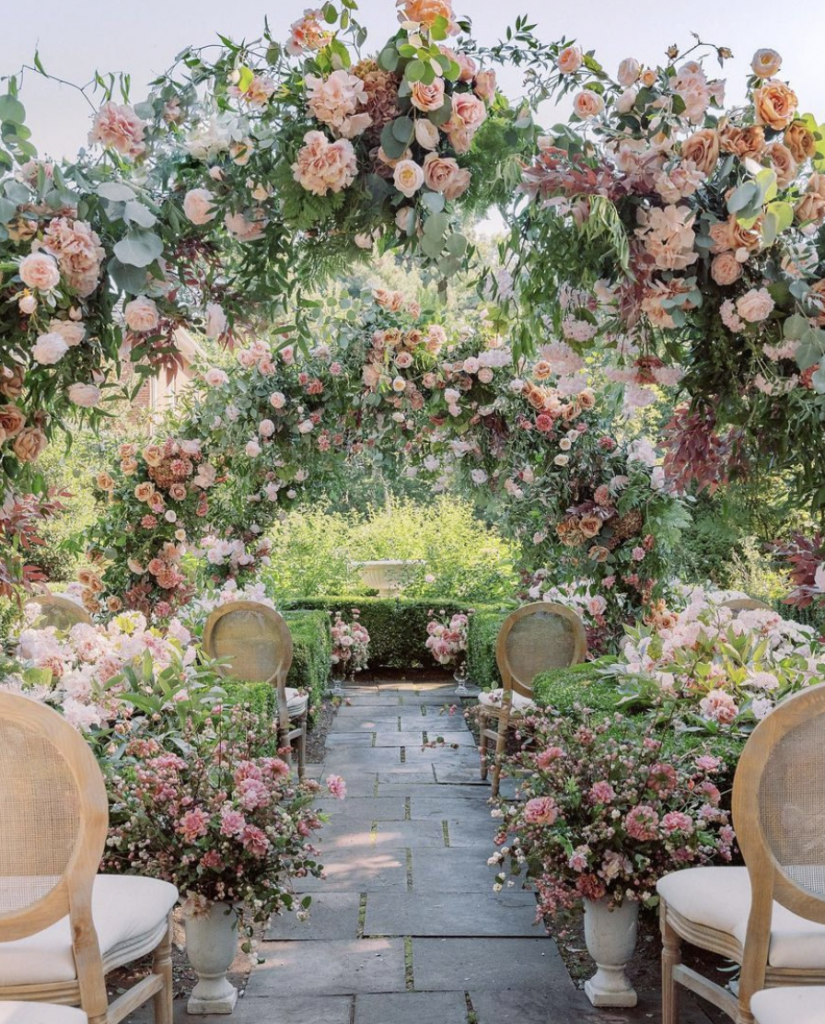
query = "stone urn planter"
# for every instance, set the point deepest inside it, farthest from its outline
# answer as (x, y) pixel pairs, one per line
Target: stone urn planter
(385, 575)
(610, 936)
(211, 943)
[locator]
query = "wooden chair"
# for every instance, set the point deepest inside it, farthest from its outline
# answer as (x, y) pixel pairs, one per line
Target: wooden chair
(63, 927)
(58, 611)
(257, 643)
(789, 1005)
(769, 917)
(746, 604)
(534, 638)
(39, 1013)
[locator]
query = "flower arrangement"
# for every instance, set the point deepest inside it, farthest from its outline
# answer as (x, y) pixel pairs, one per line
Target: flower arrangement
(605, 813)
(350, 645)
(687, 231)
(707, 669)
(447, 638)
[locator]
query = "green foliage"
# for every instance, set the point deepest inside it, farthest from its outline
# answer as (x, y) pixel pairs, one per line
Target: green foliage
(564, 688)
(482, 634)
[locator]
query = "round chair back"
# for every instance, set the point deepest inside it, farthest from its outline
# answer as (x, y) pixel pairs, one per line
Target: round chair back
(253, 638)
(746, 604)
(60, 612)
(535, 638)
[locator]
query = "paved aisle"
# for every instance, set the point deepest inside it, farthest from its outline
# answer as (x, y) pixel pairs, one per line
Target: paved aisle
(406, 929)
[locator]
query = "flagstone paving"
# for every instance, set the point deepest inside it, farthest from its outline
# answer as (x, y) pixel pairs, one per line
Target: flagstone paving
(406, 928)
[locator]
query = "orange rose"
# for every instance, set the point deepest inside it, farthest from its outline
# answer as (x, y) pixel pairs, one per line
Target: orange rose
(782, 162)
(542, 370)
(775, 104)
(105, 482)
(144, 491)
(730, 234)
(426, 12)
(800, 141)
(590, 526)
(153, 455)
(428, 97)
(742, 142)
(702, 150)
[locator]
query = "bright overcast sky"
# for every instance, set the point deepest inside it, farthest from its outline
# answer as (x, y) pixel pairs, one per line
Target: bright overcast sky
(142, 37)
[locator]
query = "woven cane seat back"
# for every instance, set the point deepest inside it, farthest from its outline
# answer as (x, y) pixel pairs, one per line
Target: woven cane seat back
(60, 612)
(536, 638)
(746, 604)
(792, 805)
(53, 810)
(253, 637)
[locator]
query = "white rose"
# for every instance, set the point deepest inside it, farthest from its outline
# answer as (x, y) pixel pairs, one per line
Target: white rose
(561, 460)
(70, 331)
(85, 395)
(629, 71)
(49, 349)
(624, 104)
(426, 133)
(408, 177)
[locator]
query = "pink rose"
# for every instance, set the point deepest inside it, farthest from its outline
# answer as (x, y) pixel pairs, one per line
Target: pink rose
(629, 71)
(277, 400)
(439, 171)
(86, 396)
(49, 349)
(141, 315)
(39, 270)
(216, 322)
(426, 133)
(78, 252)
(588, 104)
(215, 377)
(469, 110)
(198, 205)
(569, 60)
(70, 331)
(336, 786)
(725, 268)
(244, 229)
(252, 449)
(755, 305)
(676, 821)
(541, 810)
(266, 428)
(119, 128)
(427, 97)
(485, 86)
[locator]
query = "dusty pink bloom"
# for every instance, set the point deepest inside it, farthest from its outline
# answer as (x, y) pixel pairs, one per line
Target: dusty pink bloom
(49, 349)
(141, 315)
(246, 229)
(40, 271)
(85, 395)
(78, 251)
(719, 706)
(642, 823)
(198, 205)
(193, 824)
(118, 127)
(587, 104)
(336, 786)
(323, 166)
(676, 821)
(541, 810)
(601, 793)
(755, 305)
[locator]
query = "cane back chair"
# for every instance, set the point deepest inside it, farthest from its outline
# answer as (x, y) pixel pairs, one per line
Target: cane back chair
(257, 645)
(63, 927)
(769, 917)
(746, 604)
(60, 612)
(535, 638)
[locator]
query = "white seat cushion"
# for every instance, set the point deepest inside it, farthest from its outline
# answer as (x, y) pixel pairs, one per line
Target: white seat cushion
(130, 919)
(494, 699)
(296, 702)
(789, 1006)
(720, 898)
(40, 1013)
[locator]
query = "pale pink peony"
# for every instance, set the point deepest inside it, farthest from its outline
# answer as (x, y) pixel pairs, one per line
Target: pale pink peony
(118, 127)
(198, 205)
(78, 251)
(40, 271)
(49, 349)
(755, 305)
(141, 315)
(86, 396)
(323, 166)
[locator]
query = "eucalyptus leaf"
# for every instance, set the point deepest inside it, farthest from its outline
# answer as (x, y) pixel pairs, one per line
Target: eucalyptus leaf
(137, 213)
(115, 191)
(11, 109)
(139, 248)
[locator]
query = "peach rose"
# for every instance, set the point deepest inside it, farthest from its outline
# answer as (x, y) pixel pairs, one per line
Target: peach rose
(702, 150)
(485, 86)
(629, 71)
(29, 444)
(427, 12)
(427, 97)
(439, 171)
(588, 104)
(590, 525)
(78, 252)
(144, 491)
(39, 270)
(408, 177)
(11, 380)
(245, 229)
(775, 104)
(198, 205)
(71, 332)
(141, 315)
(755, 305)
(459, 183)
(810, 208)
(152, 455)
(782, 162)
(742, 142)
(177, 491)
(799, 141)
(725, 268)
(569, 60)
(766, 63)
(469, 110)
(730, 234)
(12, 420)
(105, 482)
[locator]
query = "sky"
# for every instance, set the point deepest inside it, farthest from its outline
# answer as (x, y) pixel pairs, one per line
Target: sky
(142, 37)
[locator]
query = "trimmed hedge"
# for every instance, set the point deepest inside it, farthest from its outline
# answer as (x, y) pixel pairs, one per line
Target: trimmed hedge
(397, 626)
(481, 648)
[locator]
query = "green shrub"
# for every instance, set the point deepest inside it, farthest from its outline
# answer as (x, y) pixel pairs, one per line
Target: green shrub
(562, 688)
(481, 648)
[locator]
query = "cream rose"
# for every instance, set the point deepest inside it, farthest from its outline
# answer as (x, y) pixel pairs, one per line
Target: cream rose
(141, 315)
(766, 63)
(569, 60)
(86, 396)
(626, 100)
(775, 104)
(755, 305)
(70, 331)
(408, 177)
(426, 133)
(588, 104)
(427, 97)
(39, 270)
(629, 71)
(198, 205)
(49, 349)
(725, 268)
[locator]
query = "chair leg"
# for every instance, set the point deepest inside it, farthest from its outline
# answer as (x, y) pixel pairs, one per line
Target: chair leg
(162, 965)
(501, 741)
(671, 956)
(482, 724)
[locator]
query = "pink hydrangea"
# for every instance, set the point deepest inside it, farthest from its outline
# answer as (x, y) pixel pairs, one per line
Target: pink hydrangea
(323, 166)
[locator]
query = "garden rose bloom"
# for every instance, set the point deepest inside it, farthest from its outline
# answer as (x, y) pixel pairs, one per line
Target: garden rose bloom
(118, 127)
(719, 706)
(627, 100)
(216, 322)
(642, 823)
(426, 133)
(469, 110)
(29, 444)
(588, 104)
(215, 377)
(782, 162)
(676, 821)
(335, 99)
(485, 86)
(629, 71)
(40, 271)
(246, 229)
(308, 33)
(71, 332)
(775, 104)
(277, 400)
(49, 349)
(439, 171)
(766, 63)
(800, 141)
(266, 428)
(725, 268)
(569, 60)
(336, 786)
(27, 304)
(755, 305)
(702, 149)
(408, 177)
(198, 205)
(86, 396)
(252, 449)
(427, 97)
(323, 166)
(426, 12)
(141, 315)
(78, 252)
(541, 810)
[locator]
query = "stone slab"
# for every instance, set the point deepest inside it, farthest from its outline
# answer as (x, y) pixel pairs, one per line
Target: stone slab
(358, 871)
(254, 1010)
(369, 714)
(475, 832)
(451, 738)
(452, 870)
(365, 758)
(432, 791)
(349, 739)
(359, 783)
(410, 775)
(441, 965)
(393, 835)
(407, 738)
(537, 1005)
(411, 1008)
(332, 915)
(369, 808)
(337, 967)
(446, 805)
(428, 912)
